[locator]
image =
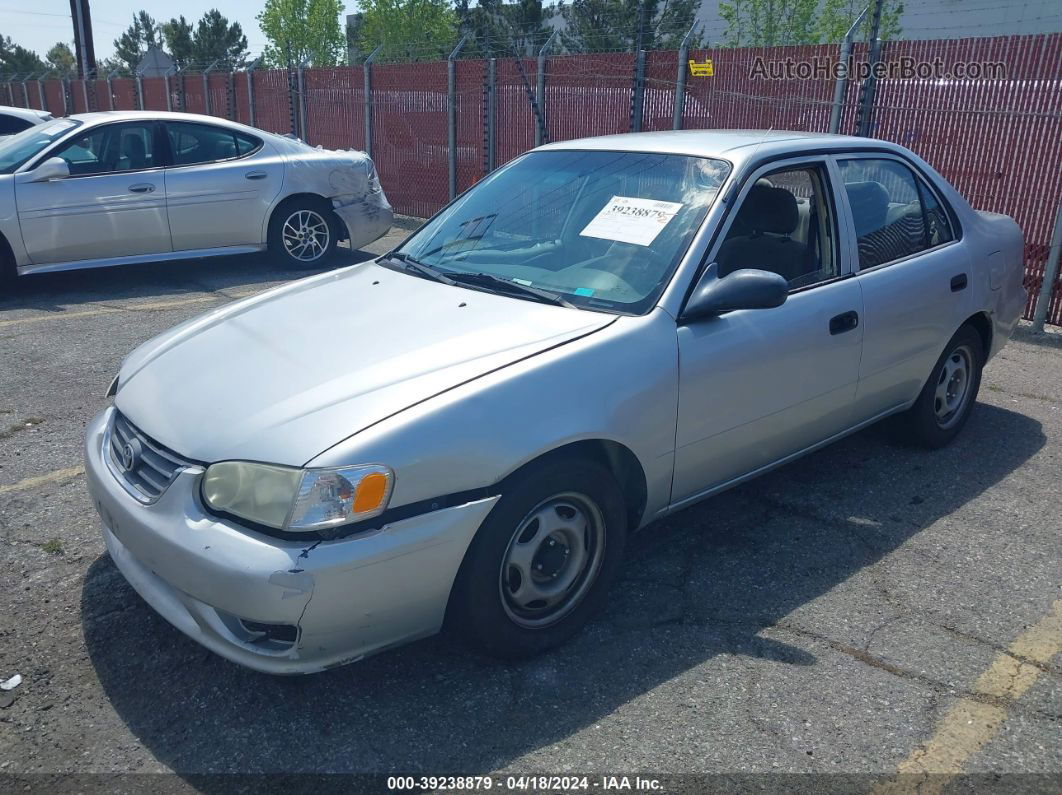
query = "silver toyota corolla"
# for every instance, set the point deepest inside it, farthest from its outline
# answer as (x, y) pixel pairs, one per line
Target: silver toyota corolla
(123, 187)
(465, 430)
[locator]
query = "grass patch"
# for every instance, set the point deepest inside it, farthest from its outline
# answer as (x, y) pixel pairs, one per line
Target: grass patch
(53, 546)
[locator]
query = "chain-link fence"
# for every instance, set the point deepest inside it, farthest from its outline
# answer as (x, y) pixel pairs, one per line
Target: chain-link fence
(435, 127)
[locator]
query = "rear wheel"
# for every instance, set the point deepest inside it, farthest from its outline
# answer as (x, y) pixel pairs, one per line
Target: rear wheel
(8, 274)
(541, 563)
(303, 232)
(948, 396)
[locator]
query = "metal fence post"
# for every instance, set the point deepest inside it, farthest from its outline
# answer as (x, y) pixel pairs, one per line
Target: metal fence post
(230, 95)
(25, 88)
(492, 71)
(182, 97)
(293, 116)
(40, 91)
(540, 91)
(85, 94)
(139, 91)
(842, 73)
(68, 104)
(680, 79)
(250, 90)
(166, 85)
(1050, 273)
(207, 104)
(301, 83)
(866, 97)
(451, 112)
(366, 68)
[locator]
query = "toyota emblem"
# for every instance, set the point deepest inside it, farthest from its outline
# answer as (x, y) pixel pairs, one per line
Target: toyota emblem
(130, 455)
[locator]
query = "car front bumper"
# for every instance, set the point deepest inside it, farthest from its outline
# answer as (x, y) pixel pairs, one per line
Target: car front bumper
(336, 601)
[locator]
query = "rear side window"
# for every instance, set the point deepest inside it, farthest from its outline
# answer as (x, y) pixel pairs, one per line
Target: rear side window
(9, 125)
(895, 212)
(192, 143)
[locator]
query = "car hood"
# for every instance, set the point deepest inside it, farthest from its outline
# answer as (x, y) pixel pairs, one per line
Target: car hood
(284, 375)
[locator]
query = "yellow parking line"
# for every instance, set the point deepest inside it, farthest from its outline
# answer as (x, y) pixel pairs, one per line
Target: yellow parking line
(150, 306)
(58, 476)
(972, 722)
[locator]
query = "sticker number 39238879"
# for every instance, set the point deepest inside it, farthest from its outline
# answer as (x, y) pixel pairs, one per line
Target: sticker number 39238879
(630, 220)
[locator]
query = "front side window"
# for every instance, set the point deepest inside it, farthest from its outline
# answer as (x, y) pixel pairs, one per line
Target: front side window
(193, 143)
(604, 230)
(110, 149)
(24, 146)
(9, 125)
(895, 213)
(784, 225)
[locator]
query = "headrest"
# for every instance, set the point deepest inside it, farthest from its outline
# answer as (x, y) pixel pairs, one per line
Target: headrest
(870, 205)
(768, 209)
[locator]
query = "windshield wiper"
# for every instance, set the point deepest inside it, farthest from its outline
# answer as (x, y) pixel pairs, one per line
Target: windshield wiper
(415, 265)
(498, 284)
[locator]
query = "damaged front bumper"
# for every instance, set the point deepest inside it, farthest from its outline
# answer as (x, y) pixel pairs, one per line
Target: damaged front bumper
(281, 607)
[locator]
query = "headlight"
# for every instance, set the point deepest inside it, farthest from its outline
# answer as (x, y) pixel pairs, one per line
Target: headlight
(297, 499)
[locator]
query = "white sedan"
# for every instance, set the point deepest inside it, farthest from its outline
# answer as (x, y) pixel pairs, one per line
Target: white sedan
(15, 120)
(120, 187)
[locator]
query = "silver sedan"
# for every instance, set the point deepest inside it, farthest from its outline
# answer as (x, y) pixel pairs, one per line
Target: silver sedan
(464, 431)
(120, 187)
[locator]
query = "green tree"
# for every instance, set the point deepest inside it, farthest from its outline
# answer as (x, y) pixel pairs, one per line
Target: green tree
(768, 23)
(407, 29)
(17, 60)
(302, 30)
(838, 15)
(612, 25)
(178, 35)
(61, 58)
(498, 28)
(217, 39)
(130, 46)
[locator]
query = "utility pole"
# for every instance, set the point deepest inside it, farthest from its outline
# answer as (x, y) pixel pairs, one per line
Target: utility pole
(866, 94)
(83, 49)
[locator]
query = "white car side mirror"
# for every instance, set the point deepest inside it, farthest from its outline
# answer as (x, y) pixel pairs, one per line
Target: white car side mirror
(52, 168)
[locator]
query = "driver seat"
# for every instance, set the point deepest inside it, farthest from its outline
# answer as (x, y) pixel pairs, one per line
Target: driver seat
(764, 223)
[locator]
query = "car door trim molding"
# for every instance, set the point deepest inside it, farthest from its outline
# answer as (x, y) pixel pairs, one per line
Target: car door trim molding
(163, 256)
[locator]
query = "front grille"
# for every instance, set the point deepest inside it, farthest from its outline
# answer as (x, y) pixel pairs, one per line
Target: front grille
(144, 466)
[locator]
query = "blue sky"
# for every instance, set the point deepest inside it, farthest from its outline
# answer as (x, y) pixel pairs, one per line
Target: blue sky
(41, 24)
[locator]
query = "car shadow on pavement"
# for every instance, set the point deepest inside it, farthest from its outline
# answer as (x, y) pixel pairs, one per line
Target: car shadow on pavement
(704, 583)
(57, 292)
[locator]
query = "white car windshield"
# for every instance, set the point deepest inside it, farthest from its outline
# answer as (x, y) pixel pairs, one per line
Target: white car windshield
(23, 146)
(598, 229)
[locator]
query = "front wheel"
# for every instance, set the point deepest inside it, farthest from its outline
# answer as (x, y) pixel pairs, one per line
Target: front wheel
(948, 396)
(541, 564)
(303, 232)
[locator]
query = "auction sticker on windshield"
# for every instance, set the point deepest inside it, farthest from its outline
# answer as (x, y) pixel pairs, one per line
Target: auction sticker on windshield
(630, 220)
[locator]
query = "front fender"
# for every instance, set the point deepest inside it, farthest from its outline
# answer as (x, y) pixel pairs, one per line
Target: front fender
(619, 384)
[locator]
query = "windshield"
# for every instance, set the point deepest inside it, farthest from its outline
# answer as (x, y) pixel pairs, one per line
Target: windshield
(19, 148)
(603, 230)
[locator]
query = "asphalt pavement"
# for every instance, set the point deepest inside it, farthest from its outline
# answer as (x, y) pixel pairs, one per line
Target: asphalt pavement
(868, 609)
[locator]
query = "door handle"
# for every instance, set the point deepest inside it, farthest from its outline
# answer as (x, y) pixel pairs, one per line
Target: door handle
(846, 321)
(958, 282)
(255, 175)
(141, 187)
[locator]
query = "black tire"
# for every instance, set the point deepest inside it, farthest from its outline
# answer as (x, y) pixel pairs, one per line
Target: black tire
(315, 209)
(929, 422)
(482, 608)
(8, 274)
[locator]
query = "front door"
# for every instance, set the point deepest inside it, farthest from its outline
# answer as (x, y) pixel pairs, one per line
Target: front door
(113, 204)
(756, 386)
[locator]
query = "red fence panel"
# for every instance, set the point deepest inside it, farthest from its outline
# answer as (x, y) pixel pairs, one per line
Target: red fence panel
(53, 94)
(218, 94)
(471, 107)
(335, 107)
(514, 114)
(193, 97)
(409, 135)
(241, 98)
(589, 95)
(124, 92)
(271, 109)
(998, 141)
(155, 93)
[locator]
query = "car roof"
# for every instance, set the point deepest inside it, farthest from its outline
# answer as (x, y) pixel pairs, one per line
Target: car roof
(30, 114)
(731, 145)
(160, 115)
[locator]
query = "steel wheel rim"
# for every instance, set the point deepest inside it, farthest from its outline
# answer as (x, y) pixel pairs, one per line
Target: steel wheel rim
(953, 386)
(552, 560)
(306, 235)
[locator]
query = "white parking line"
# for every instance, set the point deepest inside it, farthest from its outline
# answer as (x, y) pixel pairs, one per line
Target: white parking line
(58, 476)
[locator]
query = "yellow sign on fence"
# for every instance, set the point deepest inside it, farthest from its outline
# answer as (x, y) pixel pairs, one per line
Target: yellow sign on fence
(705, 69)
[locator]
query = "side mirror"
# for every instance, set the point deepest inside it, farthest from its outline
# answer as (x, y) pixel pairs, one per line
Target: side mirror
(747, 288)
(52, 168)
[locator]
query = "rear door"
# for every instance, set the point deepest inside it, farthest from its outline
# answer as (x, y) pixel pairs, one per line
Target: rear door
(914, 272)
(219, 186)
(113, 204)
